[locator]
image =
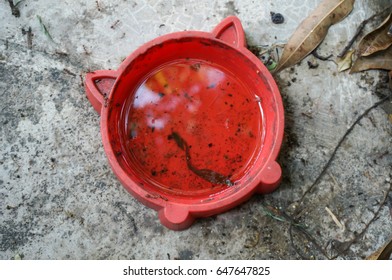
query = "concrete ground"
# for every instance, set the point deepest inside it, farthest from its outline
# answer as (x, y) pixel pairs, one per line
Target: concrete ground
(59, 198)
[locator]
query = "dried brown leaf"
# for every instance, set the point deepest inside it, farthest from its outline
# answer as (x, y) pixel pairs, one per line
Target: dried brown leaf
(377, 39)
(378, 60)
(384, 253)
(345, 62)
(311, 32)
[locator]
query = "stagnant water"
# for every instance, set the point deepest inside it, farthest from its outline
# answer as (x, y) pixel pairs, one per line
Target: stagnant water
(192, 128)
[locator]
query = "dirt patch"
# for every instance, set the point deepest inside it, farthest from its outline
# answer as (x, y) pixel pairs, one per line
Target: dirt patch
(230, 9)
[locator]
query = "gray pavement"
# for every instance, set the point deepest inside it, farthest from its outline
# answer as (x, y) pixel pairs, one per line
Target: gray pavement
(59, 198)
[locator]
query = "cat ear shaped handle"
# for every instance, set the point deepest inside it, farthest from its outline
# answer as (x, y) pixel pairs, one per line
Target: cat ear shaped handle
(230, 30)
(98, 85)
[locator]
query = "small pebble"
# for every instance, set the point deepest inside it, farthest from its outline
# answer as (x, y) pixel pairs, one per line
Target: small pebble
(277, 18)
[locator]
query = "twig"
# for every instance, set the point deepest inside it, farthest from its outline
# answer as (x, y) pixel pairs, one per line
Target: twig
(14, 9)
(273, 216)
(29, 34)
(335, 219)
(18, 3)
(65, 70)
(269, 49)
(307, 234)
(120, 205)
(280, 216)
(323, 58)
(360, 28)
(375, 105)
(284, 217)
(293, 245)
(29, 38)
(333, 179)
(374, 218)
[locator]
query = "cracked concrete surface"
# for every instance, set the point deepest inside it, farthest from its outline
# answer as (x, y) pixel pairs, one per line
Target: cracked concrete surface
(59, 198)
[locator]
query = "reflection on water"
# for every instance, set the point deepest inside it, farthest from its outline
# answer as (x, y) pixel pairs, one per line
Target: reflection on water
(216, 116)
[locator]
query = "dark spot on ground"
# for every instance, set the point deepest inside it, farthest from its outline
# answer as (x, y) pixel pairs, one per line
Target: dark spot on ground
(14, 235)
(277, 18)
(185, 255)
(382, 89)
(230, 9)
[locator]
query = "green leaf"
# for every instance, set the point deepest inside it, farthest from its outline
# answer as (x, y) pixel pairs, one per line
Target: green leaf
(44, 28)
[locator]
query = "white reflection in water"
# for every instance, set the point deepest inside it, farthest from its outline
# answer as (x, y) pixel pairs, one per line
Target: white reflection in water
(156, 123)
(214, 76)
(145, 96)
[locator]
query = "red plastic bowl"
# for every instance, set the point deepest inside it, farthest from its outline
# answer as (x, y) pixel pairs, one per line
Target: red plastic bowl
(191, 122)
